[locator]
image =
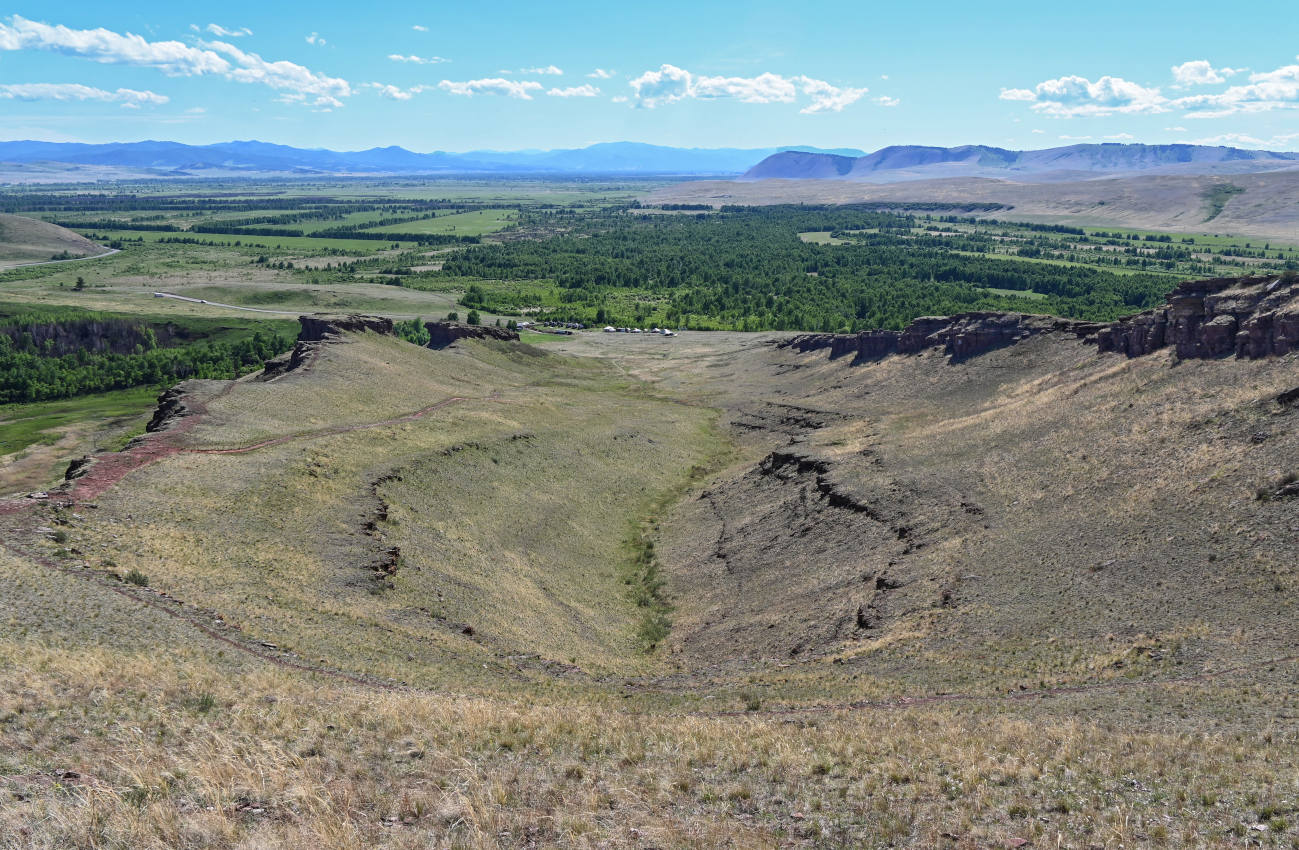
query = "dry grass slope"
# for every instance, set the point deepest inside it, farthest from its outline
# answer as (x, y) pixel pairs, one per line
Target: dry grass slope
(1039, 517)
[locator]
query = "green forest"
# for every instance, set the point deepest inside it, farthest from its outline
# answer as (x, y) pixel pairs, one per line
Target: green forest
(748, 269)
(63, 353)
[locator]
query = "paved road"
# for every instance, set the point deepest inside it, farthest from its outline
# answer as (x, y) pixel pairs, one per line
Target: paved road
(228, 306)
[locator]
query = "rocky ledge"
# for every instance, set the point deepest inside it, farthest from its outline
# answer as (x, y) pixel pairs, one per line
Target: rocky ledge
(442, 334)
(1249, 317)
(317, 330)
(961, 336)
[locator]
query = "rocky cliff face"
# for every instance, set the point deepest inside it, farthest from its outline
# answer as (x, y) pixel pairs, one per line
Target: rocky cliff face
(961, 336)
(1249, 317)
(442, 334)
(317, 330)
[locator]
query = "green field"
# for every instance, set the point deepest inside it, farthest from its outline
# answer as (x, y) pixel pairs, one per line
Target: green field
(45, 423)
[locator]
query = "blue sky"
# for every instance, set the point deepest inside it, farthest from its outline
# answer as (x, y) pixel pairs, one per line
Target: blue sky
(513, 75)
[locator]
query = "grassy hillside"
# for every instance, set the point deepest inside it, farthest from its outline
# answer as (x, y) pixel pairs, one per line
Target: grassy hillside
(28, 240)
(404, 596)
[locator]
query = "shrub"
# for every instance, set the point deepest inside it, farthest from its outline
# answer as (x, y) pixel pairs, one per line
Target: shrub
(137, 578)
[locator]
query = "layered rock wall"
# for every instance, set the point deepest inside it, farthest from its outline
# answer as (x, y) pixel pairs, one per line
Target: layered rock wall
(961, 336)
(442, 334)
(1249, 317)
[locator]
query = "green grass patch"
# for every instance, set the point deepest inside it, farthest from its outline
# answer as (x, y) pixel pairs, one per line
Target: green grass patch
(43, 423)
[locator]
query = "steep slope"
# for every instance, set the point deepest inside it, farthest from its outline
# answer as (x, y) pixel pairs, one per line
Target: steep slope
(27, 240)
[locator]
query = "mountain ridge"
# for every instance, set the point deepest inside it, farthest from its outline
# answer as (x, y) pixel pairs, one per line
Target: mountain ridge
(256, 156)
(918, 162)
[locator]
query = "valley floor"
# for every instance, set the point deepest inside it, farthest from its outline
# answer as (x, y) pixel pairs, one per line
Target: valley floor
(651, 592)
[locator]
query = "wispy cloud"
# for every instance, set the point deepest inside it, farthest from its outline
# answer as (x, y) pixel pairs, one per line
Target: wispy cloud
(419, 28)
(76, 91)
(520, 89)
(418, 60)
(315, 39)
(174, 58)
(217, 29)
(670, 84)
(587, 90)
(544, 70)
(885, 100)
(601, 74)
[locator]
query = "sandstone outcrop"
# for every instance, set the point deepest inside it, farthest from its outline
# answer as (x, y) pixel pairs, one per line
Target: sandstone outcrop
(315, 331)
(961, 336)
(317, 328)
(1249, 317)
(442, 334)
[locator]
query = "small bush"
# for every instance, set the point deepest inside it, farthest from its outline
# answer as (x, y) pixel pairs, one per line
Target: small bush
(137, 578)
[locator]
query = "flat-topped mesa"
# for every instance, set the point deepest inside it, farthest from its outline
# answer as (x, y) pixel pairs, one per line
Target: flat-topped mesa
(316, 328)
(442, 334)
(1250, 317)
(961, 336)
(315, 332)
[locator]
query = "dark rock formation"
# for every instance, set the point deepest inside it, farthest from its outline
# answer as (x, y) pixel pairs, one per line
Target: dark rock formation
(171, 407)
(1249, 317)
(961, 336)
(79, 467)
(317, 328)
(442, 334)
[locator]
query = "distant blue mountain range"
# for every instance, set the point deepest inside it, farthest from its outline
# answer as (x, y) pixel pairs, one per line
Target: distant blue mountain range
(251, 156)
(916, 162)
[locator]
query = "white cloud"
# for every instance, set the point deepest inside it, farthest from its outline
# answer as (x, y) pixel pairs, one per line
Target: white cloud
(170, 57)
(670, 84)
(885, 100)
(828, 98)
(315, 39)
(418, 60)
(587, 90)
(666, 85)
(1037, 131)
(251, 68)
(1018, 94)
(620, 98)
(1074, 96)
(76, 91)
(419, 28)
(1198, 72)
(550, 70)
(1076, 138)
(764, 88)
(1121, 137)
(600, 74)
(394, 92)
(102, 45)
(217, 29)
(493, 85)
(1243, 140)
(1266, 91)
(1175, 129)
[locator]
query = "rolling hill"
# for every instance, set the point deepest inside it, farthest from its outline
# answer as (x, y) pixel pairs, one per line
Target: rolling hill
(26, 240)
